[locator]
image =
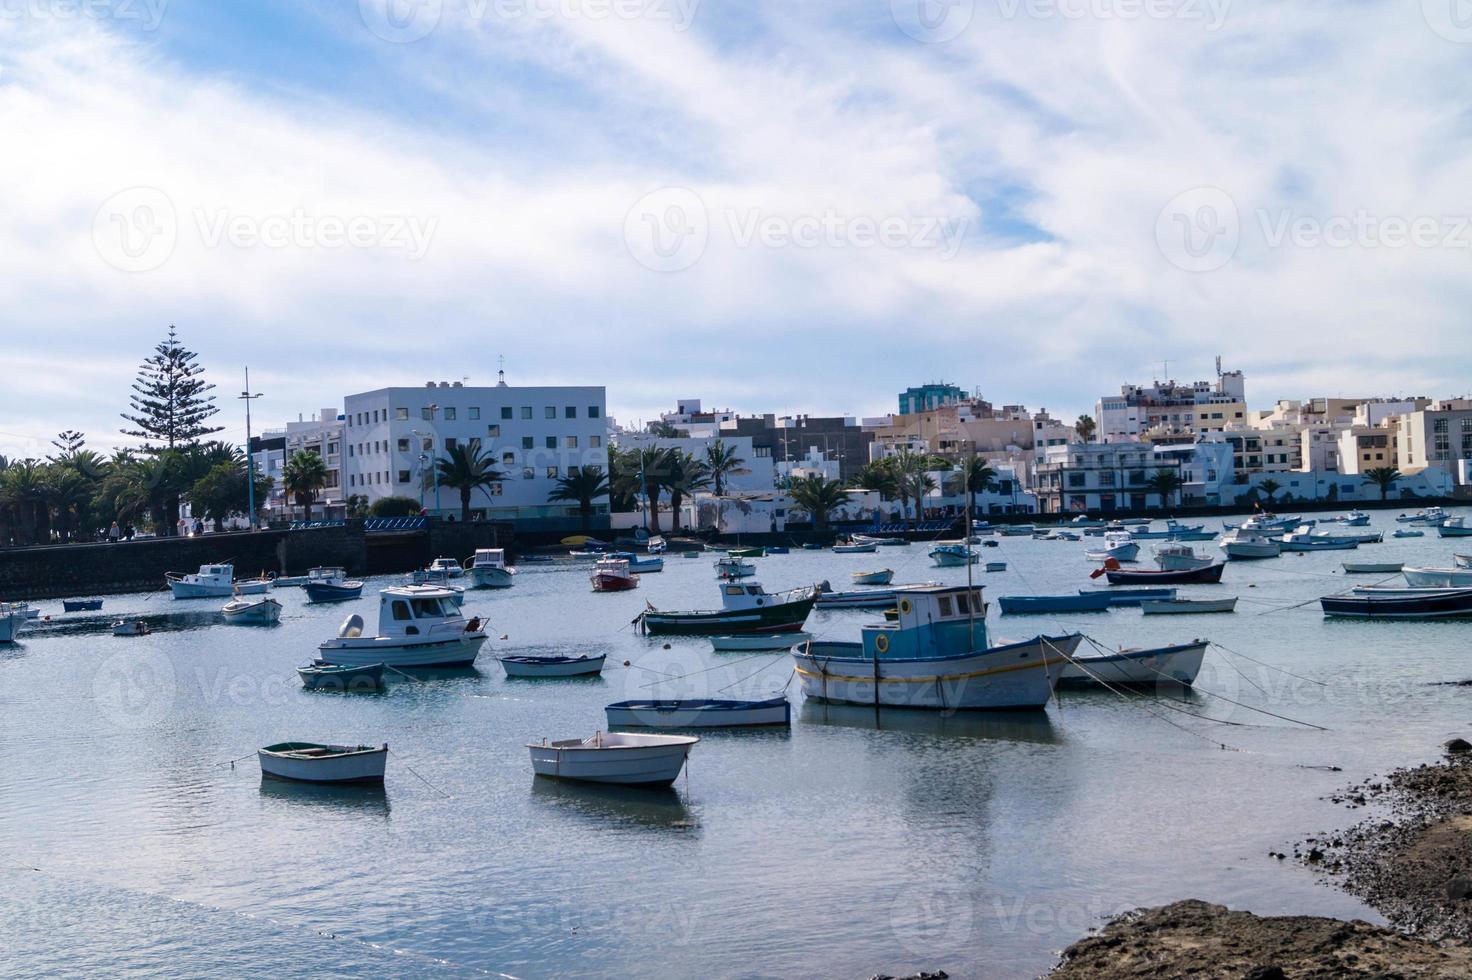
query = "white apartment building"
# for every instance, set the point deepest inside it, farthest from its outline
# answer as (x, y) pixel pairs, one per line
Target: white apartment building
(393, 436)
(1170, 407)
(1438, 436)
(756, 475)
(322, 435)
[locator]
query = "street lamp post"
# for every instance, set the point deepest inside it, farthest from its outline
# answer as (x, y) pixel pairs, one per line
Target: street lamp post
(250, 468)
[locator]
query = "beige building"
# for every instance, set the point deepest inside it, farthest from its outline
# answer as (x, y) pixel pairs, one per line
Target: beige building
(1438, 436)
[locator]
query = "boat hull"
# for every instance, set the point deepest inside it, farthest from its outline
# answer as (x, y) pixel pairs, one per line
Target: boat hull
(699, 714)
(364, 767)
(614, 583)
(1017, 677)
(262, 613)
(1417, 604)
(491, 578)
(649, 765)
(81, 605)
(1438, 578)
(199, 590)
(1015, 605)
(758, 642)
(873, 578)
(1187, 607)
(1167, 666)
(1210, 575)
(552, 666)
(1252, 552)
(328, 678)
(456, 651)
(324, 592)
(787, 617)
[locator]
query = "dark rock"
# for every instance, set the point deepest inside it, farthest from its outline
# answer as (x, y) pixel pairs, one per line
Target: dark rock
(1457, 746)
(1459, 889)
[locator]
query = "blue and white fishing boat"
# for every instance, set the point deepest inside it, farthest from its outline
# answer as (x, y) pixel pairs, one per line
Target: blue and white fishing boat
(935, 655)
(1454, 527)
(857, 599)
(1432, 516)
(330, 584)
(1132, 597)
(728, 568)
(1249, 544)
(1174, 666)
(1404, 533)
(1077, 602)
(449, 566)
(488, 569)
(12, 621)
(1355, 518)
(953, 555)
(701, 713)
(1174, 531)
(1305, 540)
(214, 582)
(418, 626)
(638, 564)
(1118, 545)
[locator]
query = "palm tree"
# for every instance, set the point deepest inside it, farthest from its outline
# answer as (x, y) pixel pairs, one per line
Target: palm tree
(685, 476)
(624, 482)
(305, 474)
(1085, 427)
(654, 464)
(817, 496)
(1166, 483)
(879, 477)
(978, 477)
(1270, 487)
(467, 469)
(581, 486)
(1383, 477)
(721, 461)
(912, 470)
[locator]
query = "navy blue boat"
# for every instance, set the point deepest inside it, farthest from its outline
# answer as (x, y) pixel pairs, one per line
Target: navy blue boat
(81, 605)
(1134, 597)
(1397, 603)
(331, 585)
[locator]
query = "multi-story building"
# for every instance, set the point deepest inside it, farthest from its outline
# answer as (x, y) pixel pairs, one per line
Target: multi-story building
(322, 435)
(789, 438)
(1109, 477)
(929, 397)
(394, 436)
(1438, 436)
(1169, 408)
(1367, 447)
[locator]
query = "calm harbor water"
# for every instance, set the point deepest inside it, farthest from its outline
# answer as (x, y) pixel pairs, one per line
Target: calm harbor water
(853, 844)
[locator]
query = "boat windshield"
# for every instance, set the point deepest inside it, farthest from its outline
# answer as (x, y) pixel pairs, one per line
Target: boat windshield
(428, 609)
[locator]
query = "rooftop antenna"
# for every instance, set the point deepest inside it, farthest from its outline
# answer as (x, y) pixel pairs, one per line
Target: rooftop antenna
(501, 374)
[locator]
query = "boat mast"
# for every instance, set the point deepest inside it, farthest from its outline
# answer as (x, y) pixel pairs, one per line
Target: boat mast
(970, 594)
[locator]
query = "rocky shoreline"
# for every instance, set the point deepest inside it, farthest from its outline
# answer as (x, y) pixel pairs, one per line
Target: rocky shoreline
(1413, 864)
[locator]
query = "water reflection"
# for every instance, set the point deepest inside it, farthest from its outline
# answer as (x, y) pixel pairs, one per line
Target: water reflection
(1029, 726)
(613, 805)
(367, 800)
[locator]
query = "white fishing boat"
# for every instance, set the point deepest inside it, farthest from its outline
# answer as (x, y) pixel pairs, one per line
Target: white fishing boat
(702, 713)
(1185, 607)
(553, 666)
(881, 542)
(855, 549)
(1249, 544)
(953, 555)
(1430, 516)
(214, 582)
(488, 569)
(1373, 567)
(289, 581)
(418, 626)
(259, 611)
(1119, 545)
(449, 566)
(311, 762)
(130, 627)
(614, 757)
(1174, 666)
(881, 577)
(1355, 518)
(12, 621)
(758, 642)
(1454, 527)
(934, 655)
(1177, 557)
(1306, 540)
(1437, 578)
(734, 568)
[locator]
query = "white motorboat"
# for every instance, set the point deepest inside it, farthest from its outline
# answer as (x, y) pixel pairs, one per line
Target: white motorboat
(1432, 516)
(934, 655)
(1249, 544)
(259, 611)
(881, 577)
(130, 627)
(12, 621)
(311, 762)
(758, 642)
(734, 568)
(449, 566)
(1438, 578)
(1178, 557)
(1373, 567)
(1454, 527)
(954, 555)
(1174, 666)
(855, 549)
(524, 666)
(1306, 540)
(1119, 545)
(703, 713)
(488, 569)
(418, 626)
(214, 582)
(881, 542)
(1186, 607)
(1355, 518)
(614, 757)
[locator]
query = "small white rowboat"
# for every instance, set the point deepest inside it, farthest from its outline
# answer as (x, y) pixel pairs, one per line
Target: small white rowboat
(309, 762)
(758, 642)
(1178, 607)
(1373, 568)
(262, 611)
(552, 666)
(614, 757)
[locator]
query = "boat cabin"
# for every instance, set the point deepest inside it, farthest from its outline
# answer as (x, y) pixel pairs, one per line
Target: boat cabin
(934, 621)
(744, 595)
(414, 610)
(488, 558)
(326, 574)
(213, 575)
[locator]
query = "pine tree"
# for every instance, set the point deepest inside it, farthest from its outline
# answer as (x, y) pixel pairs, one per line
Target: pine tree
(171, 401)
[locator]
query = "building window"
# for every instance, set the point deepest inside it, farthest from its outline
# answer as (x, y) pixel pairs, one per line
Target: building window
(495, 489)
(593, 411)
(427, 413)
(403, 445)
(401, 414)
(508, 459)
(449, 414)
(426, 445)
(1438, 425)
(595, 442)
(551, 411)
(527, 442)
(570, 412)
(551, 472)
(526, 412)
(505, 411)
(551, 442)
(350, 449)
(474, 415)
(569, 442)
(451, 443)
(494, 431)
(527, 473)
(403, 476)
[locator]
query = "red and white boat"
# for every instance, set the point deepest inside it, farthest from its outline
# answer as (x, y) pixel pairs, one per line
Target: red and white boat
(613, 575)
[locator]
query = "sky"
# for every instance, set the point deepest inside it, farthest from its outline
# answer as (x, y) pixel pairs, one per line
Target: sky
(772, 206)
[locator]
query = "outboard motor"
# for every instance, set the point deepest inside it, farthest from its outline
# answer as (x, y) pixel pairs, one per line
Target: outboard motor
(352, 628)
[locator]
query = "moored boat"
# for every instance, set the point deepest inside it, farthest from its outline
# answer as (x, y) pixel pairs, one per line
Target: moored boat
(81, 605)
(1179, 557)
(319, 676)
(1249, 544)
(256, 610)
(881, 542)
(418, 626)
(331, 584)
(1454, 527)
(732, 567)
(1409, 603)
(310, 762)
(1118, 545)
(1165, 666)
(1185, 607)
(758, 642)
(1462, 561)
(1303, 540)
(520, 666)
(1131, 597)
(881, 577)
(1373, 567)
(1403, 533)
(934, 656)
(953, 555)
(614, 757)
(487, 569)
(855, 549)
(214, 582)
(130, 627)
(289, 581)
(613, 575)
(858, 599)
(1077, 602)
(745, 608)
(747, 552)
(12, 621)
(701, 713)
(1209, 575)
(1437, 578)
(996, 566)
(638, 564)
(449, 566)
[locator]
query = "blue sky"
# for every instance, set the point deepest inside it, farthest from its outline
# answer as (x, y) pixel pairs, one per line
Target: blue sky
(767, 205)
